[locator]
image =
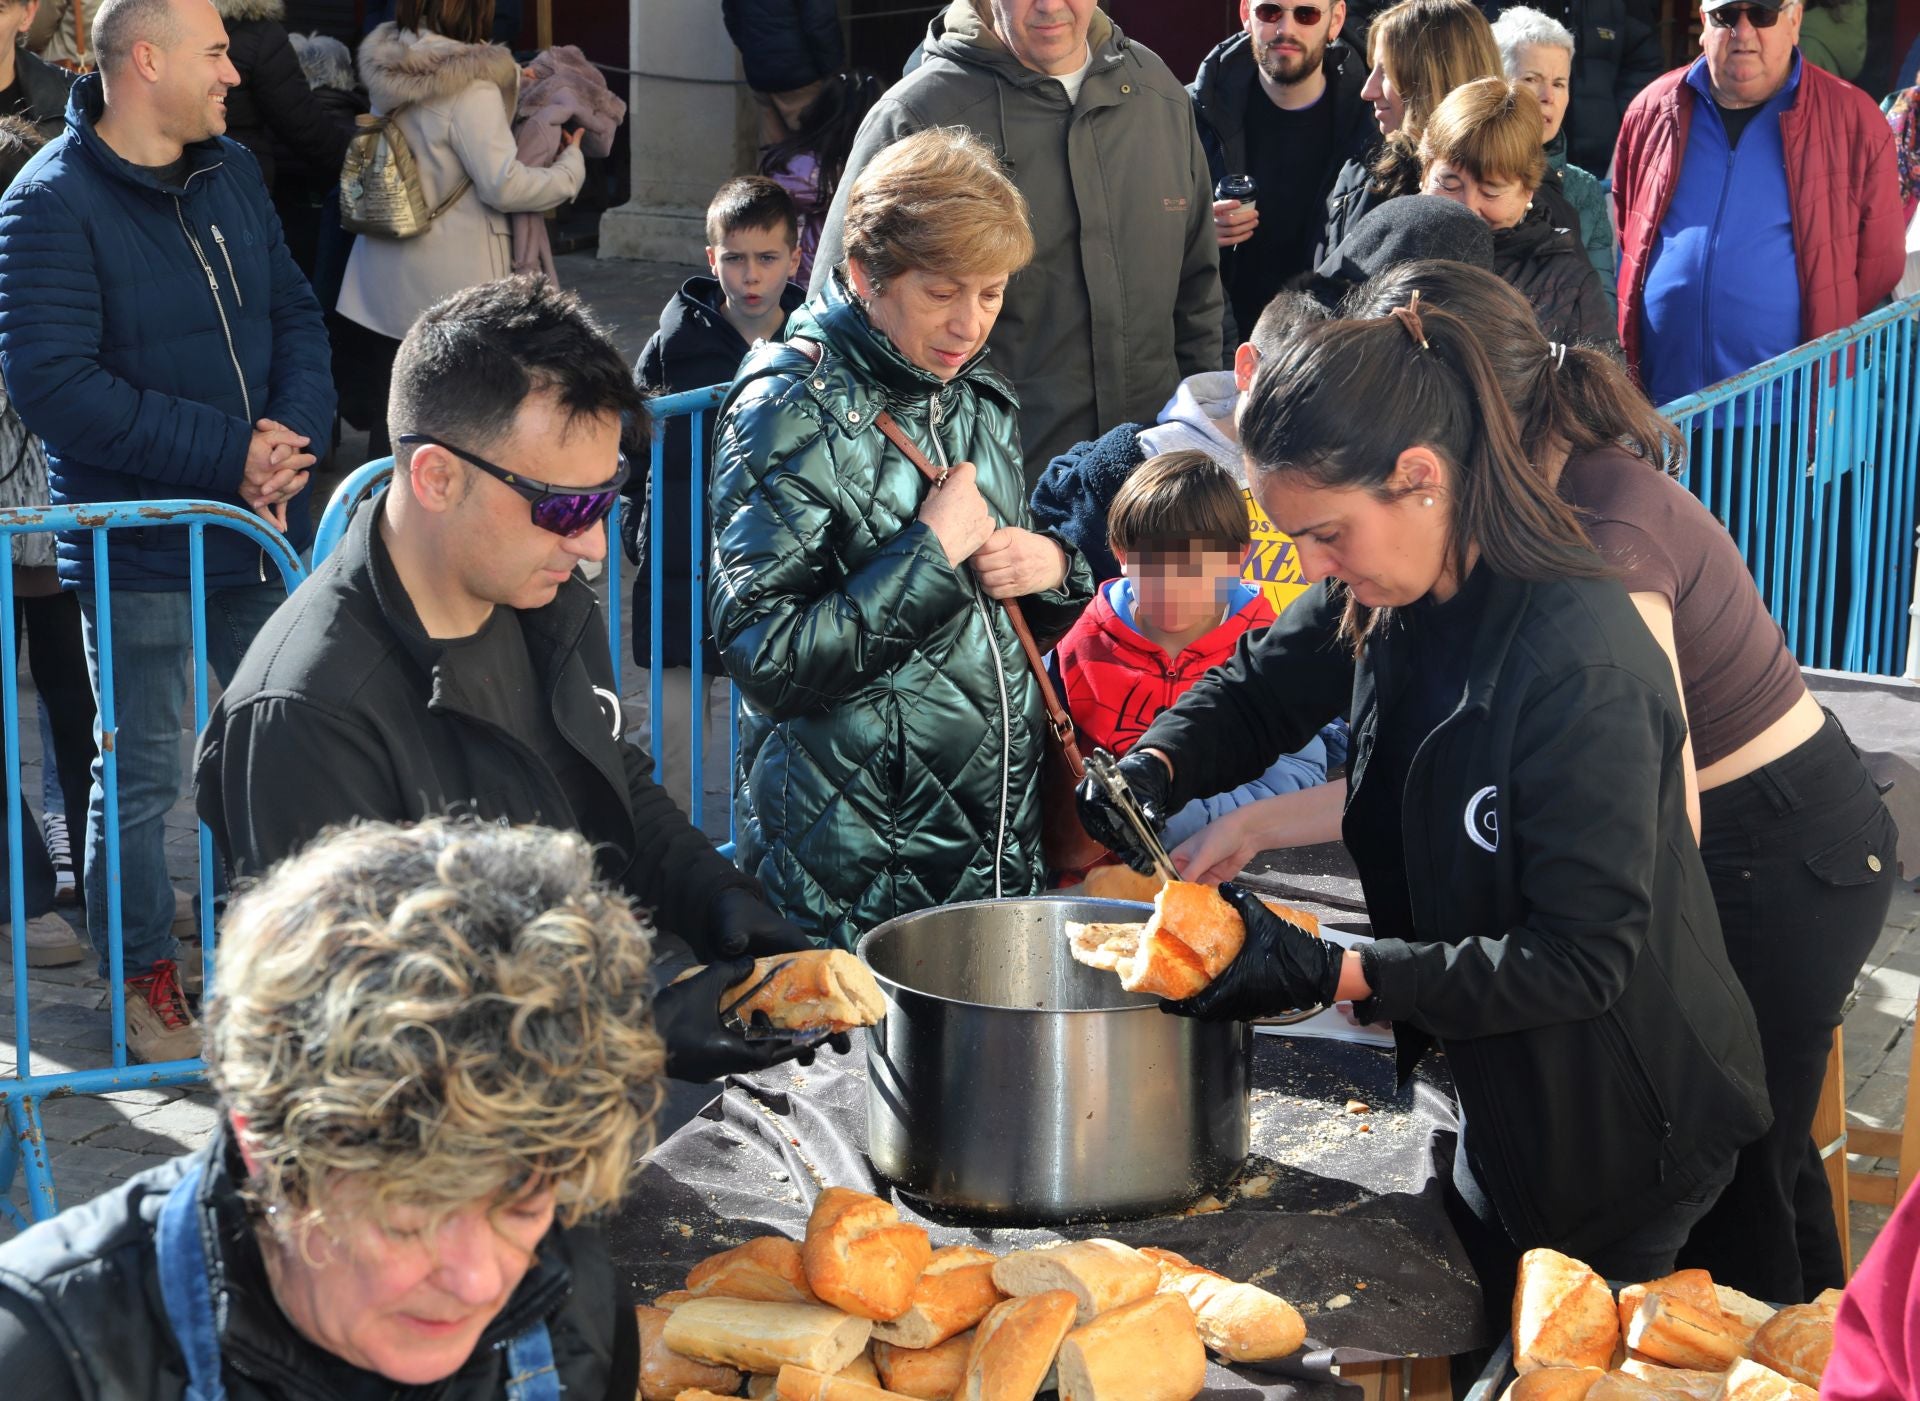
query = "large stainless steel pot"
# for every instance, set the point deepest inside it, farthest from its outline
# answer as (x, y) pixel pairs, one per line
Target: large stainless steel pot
(1008, 1081)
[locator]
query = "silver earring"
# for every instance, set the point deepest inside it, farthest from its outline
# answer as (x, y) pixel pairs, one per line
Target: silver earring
(1426, 501)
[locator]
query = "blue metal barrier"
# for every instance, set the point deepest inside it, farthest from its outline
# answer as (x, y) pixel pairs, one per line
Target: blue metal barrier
(25, 1146)
(1812, 462)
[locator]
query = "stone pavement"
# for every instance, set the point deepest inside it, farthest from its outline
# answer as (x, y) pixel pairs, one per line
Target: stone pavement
(98, 1141)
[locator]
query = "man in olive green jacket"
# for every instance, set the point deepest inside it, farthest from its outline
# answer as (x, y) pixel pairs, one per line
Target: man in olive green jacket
(1122, 300)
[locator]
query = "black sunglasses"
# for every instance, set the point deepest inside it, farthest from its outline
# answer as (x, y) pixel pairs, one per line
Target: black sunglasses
(1728, 16)
(1306, 16)
(564, 510)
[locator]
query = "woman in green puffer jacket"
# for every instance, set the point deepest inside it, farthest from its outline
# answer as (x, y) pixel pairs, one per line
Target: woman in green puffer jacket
(890, 731)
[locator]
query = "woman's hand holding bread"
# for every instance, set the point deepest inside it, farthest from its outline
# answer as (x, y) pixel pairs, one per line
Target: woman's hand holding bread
(1280, 967)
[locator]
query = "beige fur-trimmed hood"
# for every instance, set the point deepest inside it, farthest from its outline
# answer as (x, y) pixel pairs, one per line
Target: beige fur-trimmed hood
(236, 11)
(402, 65)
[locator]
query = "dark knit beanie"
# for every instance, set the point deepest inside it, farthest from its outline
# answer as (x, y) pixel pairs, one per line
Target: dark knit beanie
(1401, 230)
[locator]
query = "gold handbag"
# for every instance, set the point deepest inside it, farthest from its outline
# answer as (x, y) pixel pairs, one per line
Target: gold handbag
(380, 190)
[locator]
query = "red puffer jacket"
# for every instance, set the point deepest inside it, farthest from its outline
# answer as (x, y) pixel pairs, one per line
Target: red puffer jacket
(1848, 233)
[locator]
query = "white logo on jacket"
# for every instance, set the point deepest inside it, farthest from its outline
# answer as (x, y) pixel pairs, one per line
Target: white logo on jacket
(1483, 819)
(610, 703)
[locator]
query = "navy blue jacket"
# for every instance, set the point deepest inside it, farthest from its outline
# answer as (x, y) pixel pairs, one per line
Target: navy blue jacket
(143, 329)
(1073, 495)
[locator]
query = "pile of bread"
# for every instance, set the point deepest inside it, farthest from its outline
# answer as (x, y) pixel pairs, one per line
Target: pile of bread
(865, 1309)
(1681, 1338)
(1191, 938)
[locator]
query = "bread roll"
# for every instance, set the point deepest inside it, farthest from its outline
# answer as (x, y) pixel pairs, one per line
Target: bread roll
(1100, 1274)
(930, 1374)
(1014, 1347)
(1563, 1314)
(1637, 1381)
(954, 1292)
(664, 1373)
(1748, 1311)
(1749, 1381)
(804, 1384)
(1554, 1384)
(762, 1337)
(1796, 1343)
(1163, 966)
(1695, 1286)
(1241, 1322)
(671, 1300)
(1118, 882)
(860, 1256)
(1148, 1351)
(822, 990)
(1195, 918)
(1676, 1334)
(766, 1268)
(1103, 946)
(701, 1394)
(761, 1385)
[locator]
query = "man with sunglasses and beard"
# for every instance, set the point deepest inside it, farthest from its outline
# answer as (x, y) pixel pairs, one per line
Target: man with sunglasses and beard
(1279, 101)
(1757, 201)
(446, 659)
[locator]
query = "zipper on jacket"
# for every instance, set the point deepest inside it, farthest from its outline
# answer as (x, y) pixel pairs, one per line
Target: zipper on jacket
(213, 285)
(999, 676)
(220, 242)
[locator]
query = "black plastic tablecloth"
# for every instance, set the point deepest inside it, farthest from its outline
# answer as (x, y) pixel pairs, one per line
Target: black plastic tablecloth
(1347, 1225)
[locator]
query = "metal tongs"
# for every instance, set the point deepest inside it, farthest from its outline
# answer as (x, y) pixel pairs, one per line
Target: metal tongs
(1106, 773)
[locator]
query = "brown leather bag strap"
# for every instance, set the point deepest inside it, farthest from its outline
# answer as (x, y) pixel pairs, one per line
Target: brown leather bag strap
(1059, 722)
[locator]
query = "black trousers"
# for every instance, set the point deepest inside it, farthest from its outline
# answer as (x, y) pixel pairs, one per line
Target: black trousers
(1801, 858)
(50, 627)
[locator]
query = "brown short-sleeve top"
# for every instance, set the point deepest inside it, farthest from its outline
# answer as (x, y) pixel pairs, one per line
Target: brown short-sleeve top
(1734, 665)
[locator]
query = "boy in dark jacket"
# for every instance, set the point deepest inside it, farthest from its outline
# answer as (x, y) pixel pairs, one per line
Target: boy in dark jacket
(705, 331)
(1180, 530)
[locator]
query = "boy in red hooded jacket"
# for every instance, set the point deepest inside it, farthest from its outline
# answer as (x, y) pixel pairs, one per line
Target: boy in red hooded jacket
(1180, 531)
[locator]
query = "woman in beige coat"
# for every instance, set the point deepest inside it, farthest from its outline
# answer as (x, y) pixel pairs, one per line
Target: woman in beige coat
(454, 97)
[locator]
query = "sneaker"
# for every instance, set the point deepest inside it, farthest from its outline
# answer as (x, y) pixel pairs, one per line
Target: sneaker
(51, 942)
(159, 1026)
(53, 826)
(189, 963)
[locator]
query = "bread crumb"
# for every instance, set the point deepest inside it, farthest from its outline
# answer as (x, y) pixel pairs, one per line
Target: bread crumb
(1206, 1204)
(1355, 1106)
(1366, 1128)
(1339, 1301)
(1257, 1186)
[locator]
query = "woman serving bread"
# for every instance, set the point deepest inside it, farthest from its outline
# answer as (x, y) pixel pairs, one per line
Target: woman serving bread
(1517, 803)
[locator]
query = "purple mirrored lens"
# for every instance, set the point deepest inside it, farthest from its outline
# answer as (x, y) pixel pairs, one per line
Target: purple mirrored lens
(569, 514)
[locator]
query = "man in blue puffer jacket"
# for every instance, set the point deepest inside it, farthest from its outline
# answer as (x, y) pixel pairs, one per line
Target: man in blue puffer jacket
(155, 332)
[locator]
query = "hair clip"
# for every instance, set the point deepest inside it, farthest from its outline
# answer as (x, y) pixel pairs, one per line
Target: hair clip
(1557, 352)
(1409, 317)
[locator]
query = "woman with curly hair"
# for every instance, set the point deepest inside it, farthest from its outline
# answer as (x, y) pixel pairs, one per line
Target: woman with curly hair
(435, 1064)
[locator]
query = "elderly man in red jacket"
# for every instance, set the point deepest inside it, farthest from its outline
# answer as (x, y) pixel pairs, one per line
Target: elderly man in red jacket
(1757, 202)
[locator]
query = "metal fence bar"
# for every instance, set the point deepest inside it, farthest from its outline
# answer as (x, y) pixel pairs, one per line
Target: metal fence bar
(24, 1147)
(697, 612)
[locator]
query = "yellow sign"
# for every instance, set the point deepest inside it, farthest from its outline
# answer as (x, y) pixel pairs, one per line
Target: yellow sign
(1272, 563)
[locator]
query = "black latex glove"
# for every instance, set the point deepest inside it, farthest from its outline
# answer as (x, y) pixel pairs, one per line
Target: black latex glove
(1152, 785)
(1281, 968)
(739, 922)
(699, 1046)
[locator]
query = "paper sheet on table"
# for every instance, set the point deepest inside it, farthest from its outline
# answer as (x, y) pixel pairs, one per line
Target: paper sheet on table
(1333, 1024)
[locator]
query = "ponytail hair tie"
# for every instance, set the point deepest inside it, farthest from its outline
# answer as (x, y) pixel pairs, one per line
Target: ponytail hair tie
(1409, 317)
(1557, 352)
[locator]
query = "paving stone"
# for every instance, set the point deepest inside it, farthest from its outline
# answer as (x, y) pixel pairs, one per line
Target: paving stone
(132, 1138)
(182, 1116)
(77, 1118)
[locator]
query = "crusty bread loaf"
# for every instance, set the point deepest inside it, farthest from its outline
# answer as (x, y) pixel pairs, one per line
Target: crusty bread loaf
(929, 1374)
(672, 1299)
(761, 1385)
(664, 1373)
(1118, 882)
(1744, 1308)
(1100, 1274)
(1014, 1347)
(702, 1394)
(1554, 1384)
(1748, 1380)
(1796, 1343)
(1638, 1381)
(953, 1293)
(1241, 1322)
(1694, 1286)
(766, 1268)
(1145, 1351)
(1103, 946)
(822, 990)
(761, 1337)
(1674, 1333)
(861, 1369)
(860, 1256)
(1563, 1314)
(1163, 966)
(805, 1384)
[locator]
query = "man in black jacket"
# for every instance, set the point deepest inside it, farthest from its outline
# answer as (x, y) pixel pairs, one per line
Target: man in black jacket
(448, 659)
(1279, 101)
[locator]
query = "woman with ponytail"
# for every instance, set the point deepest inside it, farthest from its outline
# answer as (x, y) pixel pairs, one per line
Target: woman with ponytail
(1517, 805)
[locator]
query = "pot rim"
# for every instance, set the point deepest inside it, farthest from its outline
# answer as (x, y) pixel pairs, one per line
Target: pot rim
(893, 985)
